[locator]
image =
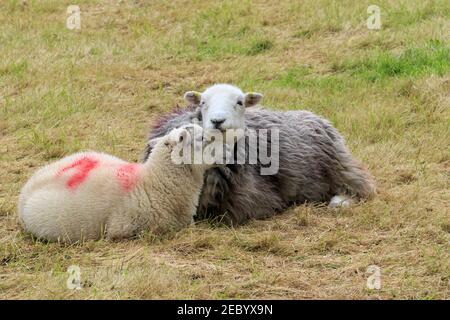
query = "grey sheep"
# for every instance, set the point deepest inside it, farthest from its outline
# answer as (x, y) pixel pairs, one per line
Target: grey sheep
(314, 163)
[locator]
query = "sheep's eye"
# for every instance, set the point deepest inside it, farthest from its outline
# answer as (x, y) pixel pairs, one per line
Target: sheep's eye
(239, 103)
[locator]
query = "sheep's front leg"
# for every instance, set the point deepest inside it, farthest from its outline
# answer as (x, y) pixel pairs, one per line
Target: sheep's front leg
(120, 226)
(340, 201)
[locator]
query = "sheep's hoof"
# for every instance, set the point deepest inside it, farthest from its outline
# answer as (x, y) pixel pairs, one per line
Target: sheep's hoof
(340, 202)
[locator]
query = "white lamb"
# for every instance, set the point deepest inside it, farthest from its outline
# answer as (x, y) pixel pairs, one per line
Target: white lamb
(90, 195)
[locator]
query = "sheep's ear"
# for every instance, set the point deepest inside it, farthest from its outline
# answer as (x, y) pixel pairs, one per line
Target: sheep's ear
(193, 97)
(183, 137)
(252, 98)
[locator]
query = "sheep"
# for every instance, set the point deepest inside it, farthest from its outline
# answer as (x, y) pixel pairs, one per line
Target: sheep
(314, 163)
(89, 195)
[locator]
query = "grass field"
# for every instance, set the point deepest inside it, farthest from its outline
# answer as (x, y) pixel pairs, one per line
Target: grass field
(387, 91)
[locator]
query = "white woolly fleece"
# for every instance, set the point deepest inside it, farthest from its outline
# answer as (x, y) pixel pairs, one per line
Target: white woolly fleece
(89, 195)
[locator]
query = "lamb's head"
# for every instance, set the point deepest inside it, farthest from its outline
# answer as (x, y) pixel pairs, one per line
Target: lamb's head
(184, 146)
(223, 106)
(181, 137)
(185, 135)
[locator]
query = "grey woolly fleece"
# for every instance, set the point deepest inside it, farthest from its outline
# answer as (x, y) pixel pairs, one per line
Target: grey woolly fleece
(314, 166)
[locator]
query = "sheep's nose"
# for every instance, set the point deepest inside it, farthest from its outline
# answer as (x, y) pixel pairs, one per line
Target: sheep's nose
(217, 122)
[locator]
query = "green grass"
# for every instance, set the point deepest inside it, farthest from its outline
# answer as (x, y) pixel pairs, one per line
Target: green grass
(386, 91)
(433, 58)
(14, 69)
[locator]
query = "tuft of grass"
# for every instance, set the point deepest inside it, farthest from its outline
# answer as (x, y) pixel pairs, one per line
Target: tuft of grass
(259, 46)
(15, 69)
(433, 58)
(269, 242)
(298, 78)
(404, 15)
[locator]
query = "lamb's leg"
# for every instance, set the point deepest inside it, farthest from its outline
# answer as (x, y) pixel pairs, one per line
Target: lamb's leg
(340, 201)
(119, 226)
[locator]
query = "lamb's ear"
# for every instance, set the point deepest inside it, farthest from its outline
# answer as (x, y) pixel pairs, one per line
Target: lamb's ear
(183, 137)
(193, 97)
(252, 98)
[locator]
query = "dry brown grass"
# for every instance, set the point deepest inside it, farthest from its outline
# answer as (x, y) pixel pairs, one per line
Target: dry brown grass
(62, 91)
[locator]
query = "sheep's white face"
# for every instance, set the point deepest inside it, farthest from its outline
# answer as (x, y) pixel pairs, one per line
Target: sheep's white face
(223, 106)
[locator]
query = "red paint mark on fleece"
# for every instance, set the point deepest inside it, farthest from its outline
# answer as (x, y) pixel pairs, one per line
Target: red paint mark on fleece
(127, 175)
(83, 167)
